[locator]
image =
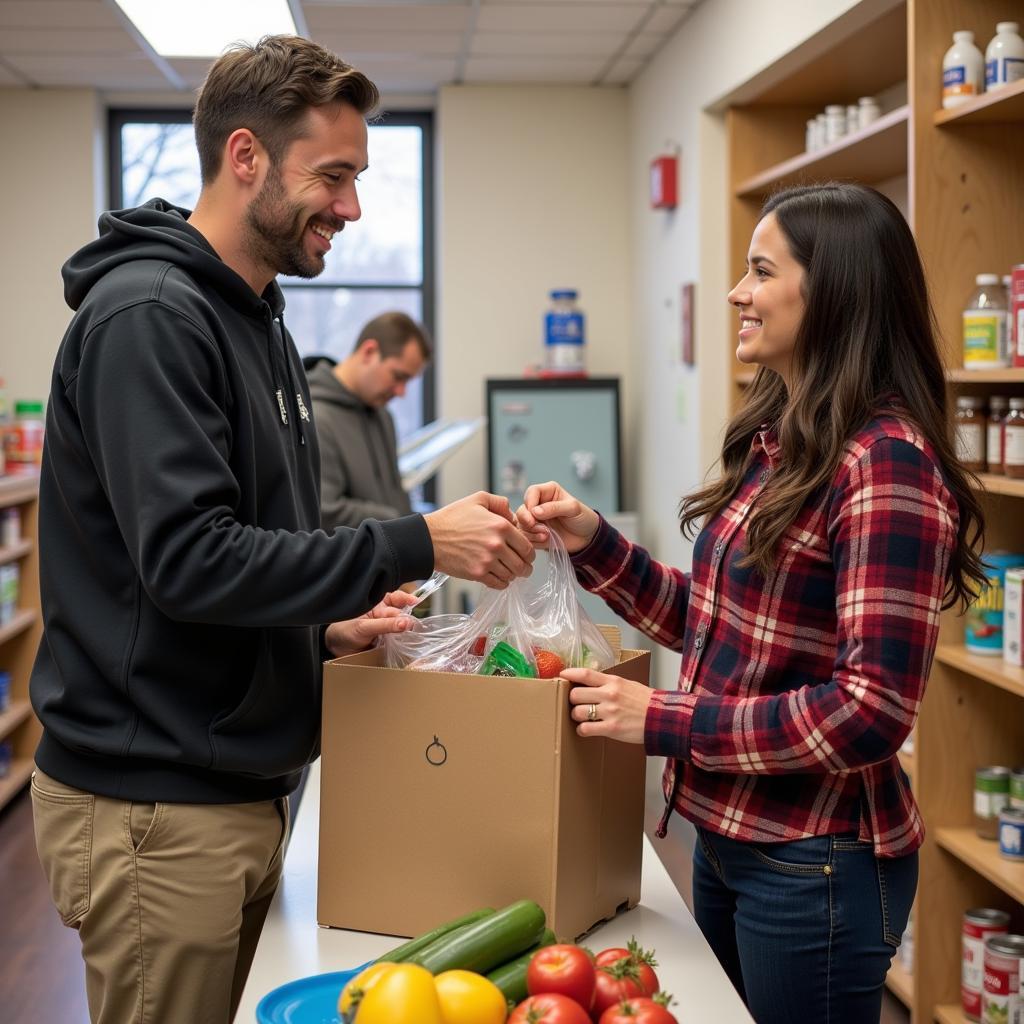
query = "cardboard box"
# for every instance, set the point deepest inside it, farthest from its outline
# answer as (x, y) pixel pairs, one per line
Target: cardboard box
(442, 793)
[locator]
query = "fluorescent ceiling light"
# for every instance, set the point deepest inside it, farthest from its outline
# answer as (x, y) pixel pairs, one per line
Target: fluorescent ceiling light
(205, 28)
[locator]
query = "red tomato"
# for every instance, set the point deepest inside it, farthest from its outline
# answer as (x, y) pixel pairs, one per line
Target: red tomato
(607, 957)
(565, 969)
(611, 989)
(549, 1009)
(637, 1011)
(623, 974)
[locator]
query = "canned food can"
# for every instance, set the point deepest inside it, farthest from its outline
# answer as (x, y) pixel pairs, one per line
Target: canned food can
(1017, 315)
(991, 795)
(1011, 833)
(1013, 619)
(979, 924)
(1004, 955)
(1017, 788)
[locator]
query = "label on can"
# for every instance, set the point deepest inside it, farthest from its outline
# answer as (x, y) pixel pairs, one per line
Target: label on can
(1001, 986)
(1011, 833)
(1017, 315)
(979, 924)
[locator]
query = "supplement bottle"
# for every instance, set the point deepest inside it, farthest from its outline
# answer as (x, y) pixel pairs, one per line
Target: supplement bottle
(985, 345)
(997, 406)
(971, 432)
(1013, 440)
(963, 71)
(564, 342)
(1004, 56)
(27, 449)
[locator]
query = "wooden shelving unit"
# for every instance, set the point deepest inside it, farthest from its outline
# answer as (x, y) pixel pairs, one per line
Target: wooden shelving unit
(900, 983)
(19, 638)
(964, 202)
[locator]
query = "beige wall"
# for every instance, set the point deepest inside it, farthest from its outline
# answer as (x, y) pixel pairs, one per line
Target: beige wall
(48, 207)
(532, 186)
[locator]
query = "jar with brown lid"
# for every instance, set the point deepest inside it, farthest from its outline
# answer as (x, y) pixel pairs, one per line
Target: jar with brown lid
(971, 430)
(1013, 439)
(997, 406)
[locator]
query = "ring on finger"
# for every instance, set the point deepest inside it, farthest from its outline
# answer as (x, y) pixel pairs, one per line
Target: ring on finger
(592, 713)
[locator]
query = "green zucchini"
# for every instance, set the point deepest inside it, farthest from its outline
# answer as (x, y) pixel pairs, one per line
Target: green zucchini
(400, 953)
(484, 945)
(511, 977)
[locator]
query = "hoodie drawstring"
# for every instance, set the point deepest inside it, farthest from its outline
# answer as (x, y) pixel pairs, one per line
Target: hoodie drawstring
(301, 412)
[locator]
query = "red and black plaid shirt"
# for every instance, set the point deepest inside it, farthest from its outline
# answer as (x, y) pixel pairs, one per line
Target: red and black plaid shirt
(797, 690)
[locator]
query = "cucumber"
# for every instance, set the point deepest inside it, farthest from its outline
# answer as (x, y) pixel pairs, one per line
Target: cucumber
(400, 953)
(511, 977)
(482, 946)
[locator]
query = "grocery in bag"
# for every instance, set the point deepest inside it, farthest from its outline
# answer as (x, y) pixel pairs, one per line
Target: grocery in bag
(534, 628)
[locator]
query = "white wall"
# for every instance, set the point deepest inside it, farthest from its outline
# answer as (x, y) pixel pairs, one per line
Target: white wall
(532, 187)
(48, 205)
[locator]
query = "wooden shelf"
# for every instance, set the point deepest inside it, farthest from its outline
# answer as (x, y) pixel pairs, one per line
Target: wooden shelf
(991, 670)
(950, 1014)
(16, 713)
(14, 781)
(982, 855)
(900, 983)
(1005, 106)
(18, 488)
(995, 483)
(22, 620)
(13, 552)
(1011, 375)
(872, 154)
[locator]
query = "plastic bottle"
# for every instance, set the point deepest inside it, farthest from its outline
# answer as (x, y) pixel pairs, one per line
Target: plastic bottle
(27, 449)
(997, 407)
(1004, 56)
(835, 123)
(868, 110)
(985, 345)
(971, 432)
(963, 71)
(1013, 440)
(564, 340)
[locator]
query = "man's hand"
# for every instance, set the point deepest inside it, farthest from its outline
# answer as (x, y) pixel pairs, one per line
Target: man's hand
(551, 507)
(476, 538)
(351, 635)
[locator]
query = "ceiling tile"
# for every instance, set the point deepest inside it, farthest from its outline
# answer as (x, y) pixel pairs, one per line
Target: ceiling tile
(557, 17)
(665, 19)
(623, 71)
(532, 69)
(581, 44)
(429, 18)
(101, 72)
(68, 14)
(52, 41)
(347, 44)
(644, 44)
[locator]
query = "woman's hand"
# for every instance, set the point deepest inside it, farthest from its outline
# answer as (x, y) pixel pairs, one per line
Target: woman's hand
(550, 507)
(351, 635)
(606, 705)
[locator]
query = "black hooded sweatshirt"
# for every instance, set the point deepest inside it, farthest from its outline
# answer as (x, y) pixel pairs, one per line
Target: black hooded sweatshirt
(182, 570)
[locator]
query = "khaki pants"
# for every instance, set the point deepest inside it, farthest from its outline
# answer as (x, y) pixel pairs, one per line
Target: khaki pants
(168, 899)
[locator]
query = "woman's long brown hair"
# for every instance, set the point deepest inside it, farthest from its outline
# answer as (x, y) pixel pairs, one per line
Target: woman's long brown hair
(868, 333)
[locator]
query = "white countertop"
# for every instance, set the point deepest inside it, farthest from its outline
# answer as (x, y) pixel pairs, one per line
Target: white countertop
(293, 945)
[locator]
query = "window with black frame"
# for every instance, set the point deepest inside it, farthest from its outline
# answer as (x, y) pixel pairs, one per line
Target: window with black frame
(383, 261)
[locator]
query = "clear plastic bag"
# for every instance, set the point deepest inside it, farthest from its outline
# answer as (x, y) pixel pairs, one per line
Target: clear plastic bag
(534, 627)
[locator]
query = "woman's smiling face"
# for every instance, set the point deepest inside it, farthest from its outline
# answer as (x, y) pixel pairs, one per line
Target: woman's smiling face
(770, 300)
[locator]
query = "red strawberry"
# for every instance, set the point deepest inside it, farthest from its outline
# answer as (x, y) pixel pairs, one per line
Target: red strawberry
(549, 664)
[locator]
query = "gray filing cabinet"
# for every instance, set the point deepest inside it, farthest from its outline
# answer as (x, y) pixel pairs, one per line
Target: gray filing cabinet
(555, 429)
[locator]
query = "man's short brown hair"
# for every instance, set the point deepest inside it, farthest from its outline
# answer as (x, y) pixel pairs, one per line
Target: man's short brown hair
(392, 332)
(269, 89)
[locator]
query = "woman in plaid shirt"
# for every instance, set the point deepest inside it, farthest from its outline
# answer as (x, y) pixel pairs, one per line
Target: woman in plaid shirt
(841, 524)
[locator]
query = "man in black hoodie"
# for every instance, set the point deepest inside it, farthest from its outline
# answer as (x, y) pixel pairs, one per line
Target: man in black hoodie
(184, 576)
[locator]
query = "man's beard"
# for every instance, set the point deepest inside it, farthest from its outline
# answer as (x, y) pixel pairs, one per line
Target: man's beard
(275, 229)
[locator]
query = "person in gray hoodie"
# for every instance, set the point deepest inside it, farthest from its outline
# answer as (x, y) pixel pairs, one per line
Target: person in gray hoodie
(188, 593)
(359, 476)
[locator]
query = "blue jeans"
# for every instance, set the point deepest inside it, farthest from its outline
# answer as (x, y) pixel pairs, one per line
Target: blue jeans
(806, 930)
